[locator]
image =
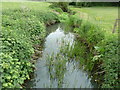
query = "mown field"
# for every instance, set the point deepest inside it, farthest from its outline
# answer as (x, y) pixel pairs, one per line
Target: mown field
(24, 27)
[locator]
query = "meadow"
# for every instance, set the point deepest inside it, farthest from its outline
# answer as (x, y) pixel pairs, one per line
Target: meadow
(105, 16)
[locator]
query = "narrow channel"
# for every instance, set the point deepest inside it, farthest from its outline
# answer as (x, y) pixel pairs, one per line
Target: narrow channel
(49, 75)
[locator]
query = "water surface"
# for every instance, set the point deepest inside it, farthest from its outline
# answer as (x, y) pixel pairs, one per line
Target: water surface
(46, 75)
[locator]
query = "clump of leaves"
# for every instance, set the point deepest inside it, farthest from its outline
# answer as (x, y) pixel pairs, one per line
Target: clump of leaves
(15, 58)
(109, 50)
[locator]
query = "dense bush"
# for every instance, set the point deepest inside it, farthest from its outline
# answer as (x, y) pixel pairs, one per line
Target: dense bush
(21, 29)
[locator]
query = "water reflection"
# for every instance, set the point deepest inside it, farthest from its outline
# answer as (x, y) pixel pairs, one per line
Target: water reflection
(54, 69)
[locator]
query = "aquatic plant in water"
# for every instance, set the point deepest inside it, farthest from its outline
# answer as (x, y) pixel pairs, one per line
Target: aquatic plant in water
(57, 67)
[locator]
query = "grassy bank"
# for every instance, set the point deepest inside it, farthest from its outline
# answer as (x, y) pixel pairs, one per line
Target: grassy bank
(93, 27)
(23, 26)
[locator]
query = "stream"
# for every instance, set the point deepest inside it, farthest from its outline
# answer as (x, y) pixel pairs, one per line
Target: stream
(53, 69)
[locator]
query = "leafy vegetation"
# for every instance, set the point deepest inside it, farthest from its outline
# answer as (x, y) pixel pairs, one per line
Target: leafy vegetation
(102, 49)
(21, 29)
(23, 25)
(61, 5)
(57, 68)
(108, 49)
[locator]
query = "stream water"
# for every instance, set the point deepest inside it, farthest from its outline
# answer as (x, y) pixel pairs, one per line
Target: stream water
(54, 73)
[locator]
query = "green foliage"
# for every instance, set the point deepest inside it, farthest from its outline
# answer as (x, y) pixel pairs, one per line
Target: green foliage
(15, 57)
(90, 32)
(108, 48)
(59, 10)
(101, 49)
(63, 17)
(21, 29)
(57, 67)
(62, 5)
(14, 71)
(49, 18)
(70, 20)
(74, 21)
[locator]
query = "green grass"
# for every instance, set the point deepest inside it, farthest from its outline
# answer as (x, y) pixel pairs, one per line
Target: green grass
(105, 16)
(42, 6)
